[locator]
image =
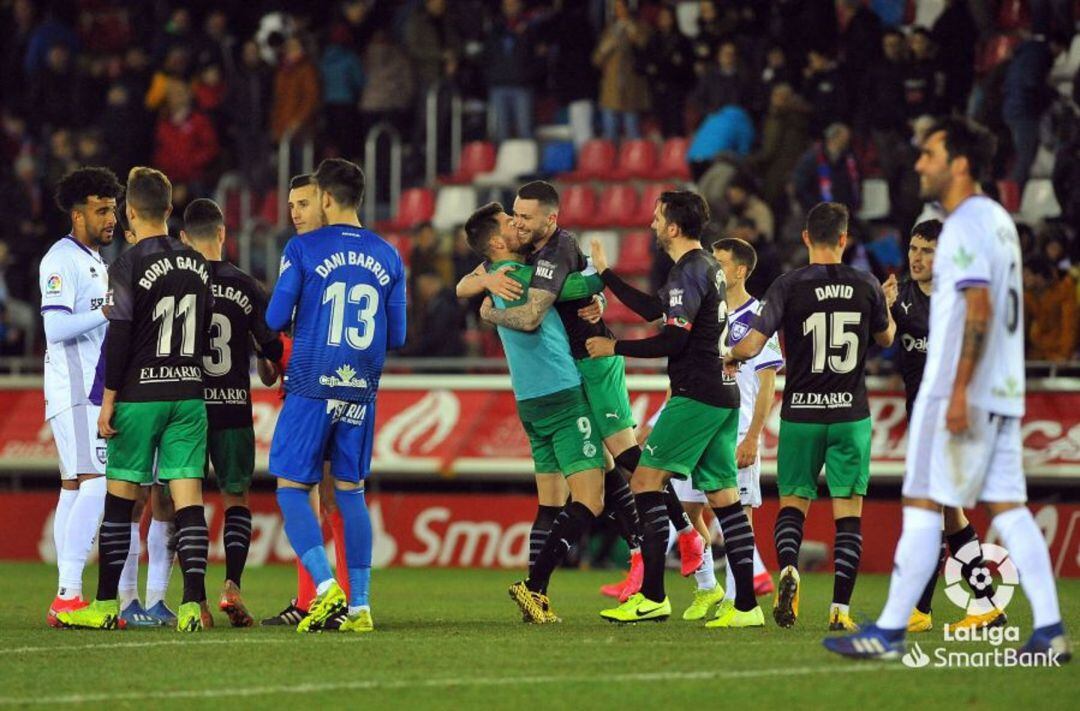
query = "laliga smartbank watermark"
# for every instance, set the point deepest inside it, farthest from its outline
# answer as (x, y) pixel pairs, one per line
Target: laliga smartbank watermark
(991, 650)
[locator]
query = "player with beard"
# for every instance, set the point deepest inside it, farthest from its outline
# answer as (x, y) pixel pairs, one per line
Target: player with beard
(910, 304)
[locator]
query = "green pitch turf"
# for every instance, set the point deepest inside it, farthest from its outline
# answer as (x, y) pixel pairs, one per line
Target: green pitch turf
(452, 639)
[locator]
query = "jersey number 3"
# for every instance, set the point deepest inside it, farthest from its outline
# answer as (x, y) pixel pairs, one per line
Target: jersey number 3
(837, 337)
(368, 298)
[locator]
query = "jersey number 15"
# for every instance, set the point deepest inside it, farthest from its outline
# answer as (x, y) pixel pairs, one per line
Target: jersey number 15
(833, 336)
(364, 295)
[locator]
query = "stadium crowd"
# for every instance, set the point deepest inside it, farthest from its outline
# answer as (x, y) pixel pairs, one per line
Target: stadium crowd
(785, 103)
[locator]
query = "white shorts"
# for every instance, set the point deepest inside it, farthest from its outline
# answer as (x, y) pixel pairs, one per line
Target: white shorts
(75, 432)
(985, 464)
(749, 486)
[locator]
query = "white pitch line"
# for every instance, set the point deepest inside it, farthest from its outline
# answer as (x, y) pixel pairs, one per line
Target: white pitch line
(138, 645)
(370, 685)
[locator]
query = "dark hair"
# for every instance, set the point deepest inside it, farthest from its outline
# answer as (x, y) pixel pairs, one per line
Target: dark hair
(300, 181)
(686, 209)
(964, 137)
(920, 30)
(825, 222)
(342, 179)
(1040, 266)
(480, 227)
(542, 191)
(75, 187)
(929, 230)
(421, 226)
(149, 192)
(202, 218)
(742, 252)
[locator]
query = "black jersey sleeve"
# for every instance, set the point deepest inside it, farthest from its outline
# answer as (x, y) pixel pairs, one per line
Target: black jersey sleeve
(266, 339)
(771, 310)
(685, 293)
(121, 296)
(648, 307)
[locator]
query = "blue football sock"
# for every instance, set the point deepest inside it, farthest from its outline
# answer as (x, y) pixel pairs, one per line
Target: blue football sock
(358, 543)
(303, 532)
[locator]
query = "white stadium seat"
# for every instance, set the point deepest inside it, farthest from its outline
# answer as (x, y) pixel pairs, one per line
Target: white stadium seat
(1039, 201)
(608, 238)
(875, 199)
(453, 205)
(516, 157)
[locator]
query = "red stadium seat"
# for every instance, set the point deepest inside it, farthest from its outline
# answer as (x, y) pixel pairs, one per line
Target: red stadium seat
(476, 157)
(673, 163)
(1009, 195)
(401, 244)
(637, 159)
(649, 195)
(417, 205)
(997, 50)
(1012, 15)
(578, 206)
(596, 161)
(268, 209)
(635, 253)
(618, 206)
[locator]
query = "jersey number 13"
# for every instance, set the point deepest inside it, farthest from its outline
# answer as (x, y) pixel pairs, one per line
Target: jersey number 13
(364, 295)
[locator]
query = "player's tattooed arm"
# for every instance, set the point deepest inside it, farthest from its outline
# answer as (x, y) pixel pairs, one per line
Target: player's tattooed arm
(976, 325)
(497, 282)
(526, 317)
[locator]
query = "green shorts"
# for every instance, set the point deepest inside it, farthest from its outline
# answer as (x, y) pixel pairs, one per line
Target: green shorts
(174, 430)
(604, 380)
(692, 439)
(843, 447)
(232, 452)
(563, 437)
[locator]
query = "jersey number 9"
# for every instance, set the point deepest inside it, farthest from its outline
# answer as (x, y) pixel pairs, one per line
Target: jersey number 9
(367, 298)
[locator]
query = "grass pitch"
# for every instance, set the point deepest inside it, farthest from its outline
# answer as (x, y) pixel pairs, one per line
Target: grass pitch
(453, 639)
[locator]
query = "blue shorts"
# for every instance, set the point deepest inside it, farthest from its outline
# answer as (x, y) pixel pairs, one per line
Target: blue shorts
(310, 431)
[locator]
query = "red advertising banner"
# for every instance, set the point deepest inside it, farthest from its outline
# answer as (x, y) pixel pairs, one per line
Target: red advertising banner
(492, 531)
(468, 425)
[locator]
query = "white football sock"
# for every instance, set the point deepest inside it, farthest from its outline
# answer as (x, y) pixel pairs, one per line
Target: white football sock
(1027, 548)
(759, 564)
(916, 556)
(83, 522)
(705, 575)
(129, 576)
(60, 519)
(159, 562)
(729, 582)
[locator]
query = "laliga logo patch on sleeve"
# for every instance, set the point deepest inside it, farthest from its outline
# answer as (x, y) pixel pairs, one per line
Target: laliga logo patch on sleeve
(53, 285)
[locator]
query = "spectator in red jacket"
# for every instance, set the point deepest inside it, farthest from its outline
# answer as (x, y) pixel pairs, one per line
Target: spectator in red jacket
(186, 143)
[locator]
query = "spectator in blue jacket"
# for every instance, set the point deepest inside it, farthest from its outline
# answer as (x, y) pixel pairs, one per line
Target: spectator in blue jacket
(343, 81)
(728, 130)
(1026, 95)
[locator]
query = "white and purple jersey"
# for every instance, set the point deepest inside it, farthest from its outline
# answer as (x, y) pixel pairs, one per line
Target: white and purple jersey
(73, 278)
(740, 320)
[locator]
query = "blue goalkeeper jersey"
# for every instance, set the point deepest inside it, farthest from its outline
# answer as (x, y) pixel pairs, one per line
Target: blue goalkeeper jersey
(347, 289)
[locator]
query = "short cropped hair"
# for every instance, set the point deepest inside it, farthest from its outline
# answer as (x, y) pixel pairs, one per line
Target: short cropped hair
(964, 137)
(541, 191)
(742, 252)
(929, 230)
(202, 218)
(300, 181)
(78, 185)
(481, 226)
(149, 192)
(686, 209)
(343, 179)
(825, 222)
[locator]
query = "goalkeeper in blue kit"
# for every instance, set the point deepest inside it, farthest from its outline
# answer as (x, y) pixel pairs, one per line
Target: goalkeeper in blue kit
(347, 287)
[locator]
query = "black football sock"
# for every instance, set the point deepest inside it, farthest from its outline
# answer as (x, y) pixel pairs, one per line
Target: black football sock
(629, 459)
(957, 541)
(619, 500)
(654, 542)
(739, 545)
(788, 534)
(927, 599)
(675, 510)
(192, 546)
(114, 543)
(237, 538)
(541, 529)
(847, 550)
(567, 530)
